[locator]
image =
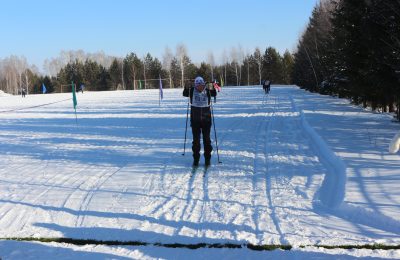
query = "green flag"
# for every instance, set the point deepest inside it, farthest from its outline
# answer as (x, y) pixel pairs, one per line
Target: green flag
(74, 96)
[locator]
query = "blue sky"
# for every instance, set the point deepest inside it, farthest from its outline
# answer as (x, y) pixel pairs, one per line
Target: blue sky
(40, 29)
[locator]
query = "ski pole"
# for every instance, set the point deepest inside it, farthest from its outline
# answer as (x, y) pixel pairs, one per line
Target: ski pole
(187, 116)
(215, 132)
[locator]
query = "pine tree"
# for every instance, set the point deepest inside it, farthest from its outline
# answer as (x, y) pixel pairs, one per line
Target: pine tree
(383, 24)
(115, 74)
(311, 68)
(287, 65)
(273, 66)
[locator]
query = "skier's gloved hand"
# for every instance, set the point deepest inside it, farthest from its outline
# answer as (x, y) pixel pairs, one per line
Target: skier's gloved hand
(186, 91)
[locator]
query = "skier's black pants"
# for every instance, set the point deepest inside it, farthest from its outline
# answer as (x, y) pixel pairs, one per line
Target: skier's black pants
(200, 121)
(196, 131)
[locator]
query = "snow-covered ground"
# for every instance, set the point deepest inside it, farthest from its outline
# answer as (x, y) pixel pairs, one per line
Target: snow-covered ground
(297, 168)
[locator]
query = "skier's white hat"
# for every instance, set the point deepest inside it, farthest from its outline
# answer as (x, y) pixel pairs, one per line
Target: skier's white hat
(199, 81)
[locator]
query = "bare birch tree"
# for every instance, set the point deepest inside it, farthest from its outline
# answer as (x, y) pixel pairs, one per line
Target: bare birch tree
(224, 62)
(240, 62)
(14, 74)
(259, 59)
(144, 71)
(52, 67)
(101, 58)
(211, 61)
(166, 64)
(235, 63)
(20, 65)
(25, 81)
(122, 74)
(248, 58)
(181, 53)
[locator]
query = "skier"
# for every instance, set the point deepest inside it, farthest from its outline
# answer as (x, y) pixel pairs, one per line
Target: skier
(23, 92)
(263, 85)
(200, 118)
(266, 86)
(217, 88)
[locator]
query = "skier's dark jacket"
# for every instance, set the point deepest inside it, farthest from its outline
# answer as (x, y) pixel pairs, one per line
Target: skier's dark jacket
(200, 116)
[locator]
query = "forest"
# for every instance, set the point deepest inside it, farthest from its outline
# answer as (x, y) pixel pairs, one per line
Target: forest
(349, 49)
(99, 71)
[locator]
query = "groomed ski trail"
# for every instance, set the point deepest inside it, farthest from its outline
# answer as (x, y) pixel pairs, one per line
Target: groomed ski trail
(268, 190)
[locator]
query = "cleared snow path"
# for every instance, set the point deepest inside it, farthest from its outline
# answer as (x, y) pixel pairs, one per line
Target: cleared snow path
(288, 175)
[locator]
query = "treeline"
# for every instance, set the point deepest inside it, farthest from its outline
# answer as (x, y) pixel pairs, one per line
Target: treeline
(351, 49)
(101, 72)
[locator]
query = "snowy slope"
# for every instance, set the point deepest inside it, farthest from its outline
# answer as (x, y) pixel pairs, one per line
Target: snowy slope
(297, 168)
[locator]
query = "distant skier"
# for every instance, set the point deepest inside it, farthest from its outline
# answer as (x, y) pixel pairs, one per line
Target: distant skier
(216, 86)
(266, 86)
(200, 118)
(82, 87)
(23, 92)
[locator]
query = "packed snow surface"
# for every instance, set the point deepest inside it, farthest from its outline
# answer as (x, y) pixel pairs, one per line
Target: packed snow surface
(297, 168)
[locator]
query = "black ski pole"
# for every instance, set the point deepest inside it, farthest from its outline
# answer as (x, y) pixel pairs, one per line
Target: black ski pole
(187, 116)
(215, 132)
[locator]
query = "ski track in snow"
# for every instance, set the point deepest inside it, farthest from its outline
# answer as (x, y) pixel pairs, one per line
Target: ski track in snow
(282, 179)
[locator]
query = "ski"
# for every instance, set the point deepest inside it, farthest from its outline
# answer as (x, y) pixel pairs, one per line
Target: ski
(194, 169)
(205, 170)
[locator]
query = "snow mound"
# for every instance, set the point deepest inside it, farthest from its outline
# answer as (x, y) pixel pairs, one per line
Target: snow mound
(332, 191)
(2, 94)
(395, 144)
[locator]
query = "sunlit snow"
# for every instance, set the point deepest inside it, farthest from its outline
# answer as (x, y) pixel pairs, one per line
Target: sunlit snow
(297, 168)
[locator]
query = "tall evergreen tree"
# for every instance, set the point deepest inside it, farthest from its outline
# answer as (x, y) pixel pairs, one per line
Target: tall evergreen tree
(353, 50)
(175, 72)
(48, 83)
(287, 65)
(133, 70)
(273, 66)
(115, 74)
(383, 27)
(311, 69)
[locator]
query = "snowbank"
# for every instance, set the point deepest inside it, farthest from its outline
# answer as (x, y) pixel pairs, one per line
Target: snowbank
(395, 144)
(2, 94)
(332, 191)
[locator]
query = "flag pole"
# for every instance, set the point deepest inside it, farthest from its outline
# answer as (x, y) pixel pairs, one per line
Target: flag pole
(160, 92)
(74, 101)
(76, 118)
